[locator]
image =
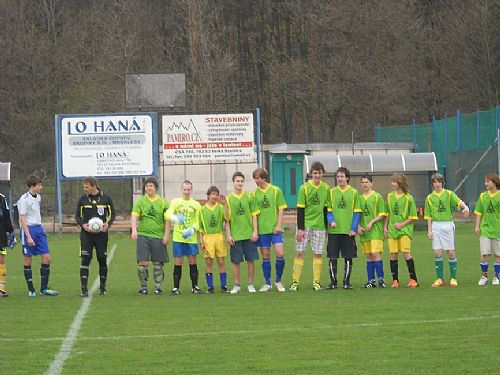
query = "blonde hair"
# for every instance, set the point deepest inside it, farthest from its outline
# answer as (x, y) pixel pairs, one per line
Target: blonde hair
(400, 179)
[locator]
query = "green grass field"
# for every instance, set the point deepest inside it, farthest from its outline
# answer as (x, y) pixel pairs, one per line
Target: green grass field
(363, 331)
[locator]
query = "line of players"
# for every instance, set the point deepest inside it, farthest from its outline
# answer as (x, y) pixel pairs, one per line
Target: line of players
(252, 220)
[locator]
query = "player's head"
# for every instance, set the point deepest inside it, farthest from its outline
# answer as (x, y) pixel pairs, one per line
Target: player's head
(437, 181)
(90, 185)
(238, 180)
(213, 194)
(317, 171)
(343, 176)
(367, 182)
(34, 183)
(260, 177)
(398, 181)
(490, 180)
(150, 185)
(187, 189)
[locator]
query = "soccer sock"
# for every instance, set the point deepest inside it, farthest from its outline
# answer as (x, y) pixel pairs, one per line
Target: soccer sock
(193, 274)
(411, 268)
(347, 270)
(177, 276)
(279, 267)
(143, 274)
(370, 270)
(44, 276)
(103, 272)
(84, 276)
(158, 274)
(210, 279)
(317, 265)
(438, 261)
(298, 264)
(266, 270)
(394, 270)
(496, 267)
(28, 275)
(452, 262)
(3, 277)
(223, 279)
(379, 267)
(332, 266)
(484, 268)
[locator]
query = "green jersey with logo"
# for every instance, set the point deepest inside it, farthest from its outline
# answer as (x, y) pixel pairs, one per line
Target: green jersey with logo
(400, 208)
(439, 207)
(241, 210)
(150, 213)
(372, 206)
(190, 209)
(343, 203)
(313, 200)
(488, 207)
(212, 219)
(269, 201)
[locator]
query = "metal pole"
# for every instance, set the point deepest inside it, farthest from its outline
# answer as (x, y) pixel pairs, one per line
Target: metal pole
(259, 161)
(478, 137)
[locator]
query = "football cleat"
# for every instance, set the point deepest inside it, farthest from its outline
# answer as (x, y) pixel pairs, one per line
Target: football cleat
(317, 286)
(236, 289)
(482, 281)
(49, 292)
(102, 291)
(175, 292)
(31, 294)
(395, 284)
(438, 283)
(158, 291)
(453, 283)
(370, 284)
(495, 281)
(224, 290)
(412, 284)
(251, 288)
(265, 288)
(331, 286)
(381, 283)
(294, 287)
(211, 290)
(84, 293)
(142, 291)
(280, 287)
(196, 290)
(3, 294)
(347, 285)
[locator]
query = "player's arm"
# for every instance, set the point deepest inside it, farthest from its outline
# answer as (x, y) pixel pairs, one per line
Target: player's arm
(229, 237)
(299, 236)
(477, 229)
(464, 207)
(24, 225)
(255, 232)
(6, 214)
(110, 217)
(280, 221)
(133, 226)
(356, 217)
(168, 227)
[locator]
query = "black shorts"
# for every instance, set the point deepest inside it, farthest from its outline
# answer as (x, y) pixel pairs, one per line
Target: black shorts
(341, 246)
(89, 241)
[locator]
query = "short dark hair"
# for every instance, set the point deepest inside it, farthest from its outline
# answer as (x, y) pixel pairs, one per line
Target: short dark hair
(92, 181)
(33, 180)
(345, 171)
(238, 174)
(317, 166)
(437, 177)
(151, 180)
(260, 173)
(212, 189)
(368, 177)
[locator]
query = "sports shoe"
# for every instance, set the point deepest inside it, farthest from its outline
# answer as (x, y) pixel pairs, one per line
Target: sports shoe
(294, 287)
(381, 283)
(175, 292)
(196, 290)
(265, 288)
(49, 292)
(347, 286)
(331, 286)
(31, 294)
(482, 281)
(142, 291)
(102, 291)
(438, 283)
(280, 287)
(495, 281)
(158, 291)
(251, 288)
(236, 289)
(453, 283)
(395, 284)
(224, 290)
(85, 292)
(211, 290)
(3, 294)
(370, 284)
(412, 284)
(317, 286)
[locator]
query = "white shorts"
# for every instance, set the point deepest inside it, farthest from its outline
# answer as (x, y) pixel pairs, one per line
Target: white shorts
(316, 237)
(489, 246)
(443, 235)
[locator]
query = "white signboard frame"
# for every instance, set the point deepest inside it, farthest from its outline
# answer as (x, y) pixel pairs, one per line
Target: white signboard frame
(209, 138)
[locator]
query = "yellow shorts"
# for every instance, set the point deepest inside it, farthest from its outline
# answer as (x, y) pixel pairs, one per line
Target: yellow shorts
(373, 246)
(399, 245)
(215, 245)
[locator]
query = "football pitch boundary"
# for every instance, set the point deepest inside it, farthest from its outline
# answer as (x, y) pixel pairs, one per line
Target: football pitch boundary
(57, 364)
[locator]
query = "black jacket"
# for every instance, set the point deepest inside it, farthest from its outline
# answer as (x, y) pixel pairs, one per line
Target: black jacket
(5, 222)
(99, 205)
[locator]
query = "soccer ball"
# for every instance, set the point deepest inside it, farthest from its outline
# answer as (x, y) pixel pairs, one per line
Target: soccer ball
(95, 224)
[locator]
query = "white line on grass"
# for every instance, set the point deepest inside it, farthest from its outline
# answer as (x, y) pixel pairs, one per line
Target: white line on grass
(259, 331)
(57, 364)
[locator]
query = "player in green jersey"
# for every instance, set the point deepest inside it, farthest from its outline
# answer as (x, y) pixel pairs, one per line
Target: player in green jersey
(398, 227)
(371, 231)
(441, 229)
(184, 212)
(488, 227)
(343, 217)
(271, 203)
(148, 229)
(311, 225)
(241, 232)
(212, 241)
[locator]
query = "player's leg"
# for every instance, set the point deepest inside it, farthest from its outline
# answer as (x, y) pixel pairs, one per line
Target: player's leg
(220, 254)
(251, 254)
(349, 252)
(159, 256)
(209, 276)
(370, 269)
(27, 261)
(101, 248)
(485, 248)
(277, 240)
(496, 266)
(209, 255)
(236, 254)
(377, 250)
(333, 252)
(3, 273)
(394, 249)
(405, 243)
(452, 264)
(178, 261)
(298, 261)
(143, 252)
(317, 241)
(264, 243)
(192, 252)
